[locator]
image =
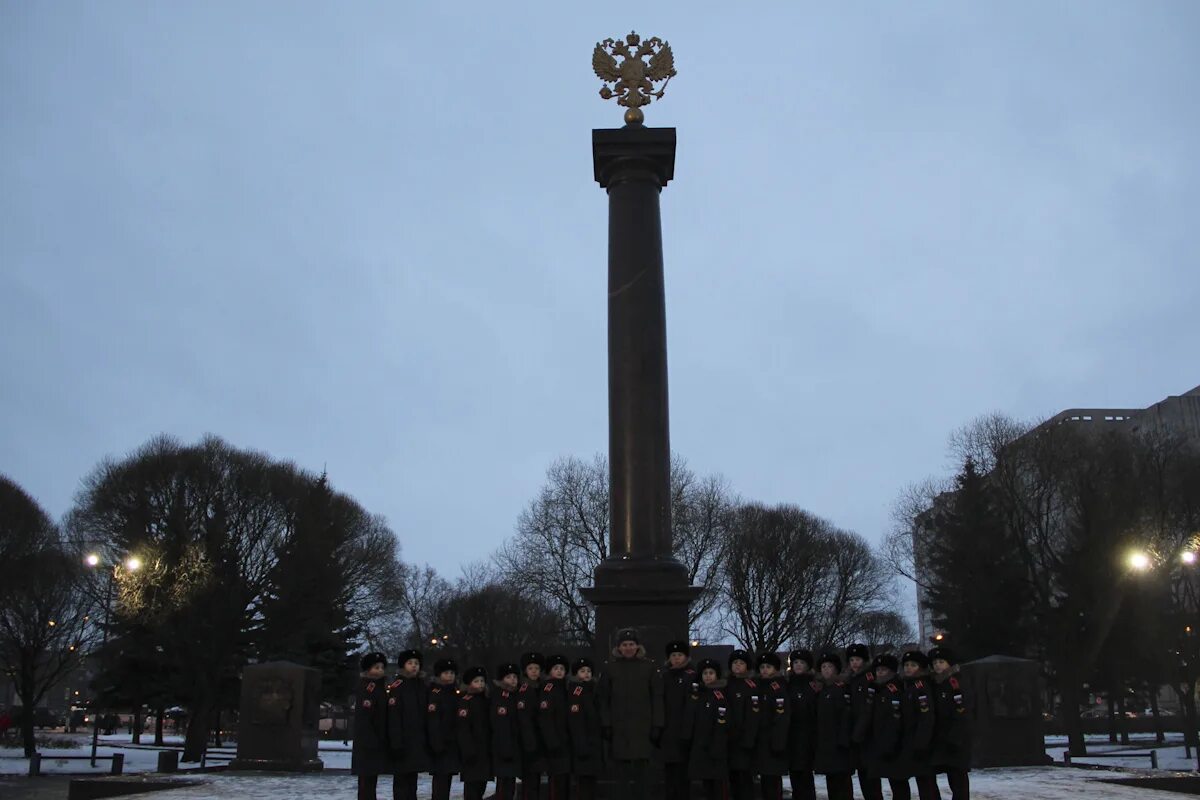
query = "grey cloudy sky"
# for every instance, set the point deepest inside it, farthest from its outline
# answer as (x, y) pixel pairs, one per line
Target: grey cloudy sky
(366, 236)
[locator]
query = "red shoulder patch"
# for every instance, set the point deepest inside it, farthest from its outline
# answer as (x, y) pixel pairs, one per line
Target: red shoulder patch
(578, 691)
(750, 682)
(371, 686)
(775, 685)
(524, 686)
(953, 682)
(718, 694)
(395, 683)
(549, 687)
(892, 688)
(920, 684)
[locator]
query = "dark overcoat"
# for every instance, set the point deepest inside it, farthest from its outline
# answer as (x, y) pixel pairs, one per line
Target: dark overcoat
(862, 694)
(833, 754)
(369, 754)
(678, 686)
(631, 704)
(771, 752)
(474, 736)
(407, 732)
(802, 730)
(918, 724)
(583, 721)
(882, 733)
(533, 754)
(708, 727)
(743, 696)
(441, 723)
(506, 733)
(951, 724)
(552, 726)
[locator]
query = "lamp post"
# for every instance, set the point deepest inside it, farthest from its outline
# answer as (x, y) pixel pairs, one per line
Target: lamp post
(93, 560)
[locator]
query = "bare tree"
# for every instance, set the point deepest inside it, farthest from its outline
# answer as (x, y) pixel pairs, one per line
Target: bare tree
(485, 624)
(700, 518)
(44, 605)
(422, 595)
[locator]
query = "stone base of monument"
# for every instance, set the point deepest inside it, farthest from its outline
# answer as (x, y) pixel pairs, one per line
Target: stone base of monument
(94, 788)
(1007, 721)
(277, 724)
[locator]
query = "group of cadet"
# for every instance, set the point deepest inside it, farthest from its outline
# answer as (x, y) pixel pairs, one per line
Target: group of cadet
(887, 719)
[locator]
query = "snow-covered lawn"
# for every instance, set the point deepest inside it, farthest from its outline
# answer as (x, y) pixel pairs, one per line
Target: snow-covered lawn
(1048, 783)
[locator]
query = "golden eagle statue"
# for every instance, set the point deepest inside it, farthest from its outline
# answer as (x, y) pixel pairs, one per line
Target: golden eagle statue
(642, 65)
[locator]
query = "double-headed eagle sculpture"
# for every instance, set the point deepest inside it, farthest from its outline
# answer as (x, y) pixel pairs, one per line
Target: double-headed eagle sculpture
(633, 77)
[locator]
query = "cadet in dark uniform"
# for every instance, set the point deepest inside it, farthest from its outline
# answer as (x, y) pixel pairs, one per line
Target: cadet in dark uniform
(707, 730)
(679, 682)
(862, 691)
(552, 727)
(743, 692)
(407, 730)
(533, 760)
(952, 723)
(771, 755)
(583, 721)
(833, 758)
(369, 755)
(441, 722)
(918, 723)
(506, 731)
(474, 734)
(803, 689)
(883, 749)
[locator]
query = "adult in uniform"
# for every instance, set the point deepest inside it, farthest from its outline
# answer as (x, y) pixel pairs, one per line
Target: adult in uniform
(631, 710)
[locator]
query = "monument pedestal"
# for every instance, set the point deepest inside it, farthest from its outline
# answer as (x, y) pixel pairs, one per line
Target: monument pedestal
(277, 724)
(1007, 723)
(650, 595)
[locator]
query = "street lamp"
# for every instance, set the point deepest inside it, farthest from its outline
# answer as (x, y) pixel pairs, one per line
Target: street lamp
(1139, 561)
(1188, 556)
(132, 564)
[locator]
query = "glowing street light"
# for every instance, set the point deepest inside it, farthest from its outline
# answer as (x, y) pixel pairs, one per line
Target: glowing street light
(133, 563)
(1139, 561)
(1188, 557)
(92, 560)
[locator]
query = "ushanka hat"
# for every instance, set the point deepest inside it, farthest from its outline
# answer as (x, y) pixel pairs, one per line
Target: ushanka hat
(944, 653)
(710, 663)
(408, 655)
(473, 673)
(886, 660)
(830, 658)
(580, 663)
(371, 659)
(678, 646)
(554, 661)
(444, 665)
(859, 650)
(916, 657)
(770, 658)
(508, 669)
(739, 655)
(532, 658)
(801, 655)
(627, 635)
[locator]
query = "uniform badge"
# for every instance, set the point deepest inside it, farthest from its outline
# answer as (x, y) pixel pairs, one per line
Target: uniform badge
(462, 712)
(545, 704)
(520, 705)
(574, 708)
(432, 708)
(501, 711)
(391, 701)
(366, 703)
(779, 705)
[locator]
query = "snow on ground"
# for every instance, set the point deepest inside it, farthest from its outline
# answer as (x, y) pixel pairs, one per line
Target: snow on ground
(1044, 783)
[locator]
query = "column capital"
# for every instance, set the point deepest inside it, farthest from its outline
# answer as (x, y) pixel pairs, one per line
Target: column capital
(633, 153)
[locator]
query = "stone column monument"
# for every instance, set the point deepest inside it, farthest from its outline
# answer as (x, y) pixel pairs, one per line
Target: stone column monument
(640, 585)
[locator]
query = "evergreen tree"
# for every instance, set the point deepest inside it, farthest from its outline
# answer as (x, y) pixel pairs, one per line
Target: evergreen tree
(305, 609)
(977, 589)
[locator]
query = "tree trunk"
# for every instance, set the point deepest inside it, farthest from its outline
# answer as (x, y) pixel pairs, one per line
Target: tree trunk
(160, 712)
(138, 722)
(28, 709)
(1122, 720)
(1160, 736)
(1069, 691)
(217, 729)
(195, 741)
(1112, 718)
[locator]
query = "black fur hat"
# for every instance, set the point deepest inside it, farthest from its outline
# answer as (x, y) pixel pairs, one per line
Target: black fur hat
(406, 655)
(710, 663)
(533, 658)
(474, 672)
(801, 655)
(554, 661)
(944, 653)
(740, 655)
(886, 660)
(508, 669)
(769, 658)
(371, 659)
(860, 650)
(917, 657)
(580, 663)
(830, 658)
(444, 665)
(628, 635)
(678, 646)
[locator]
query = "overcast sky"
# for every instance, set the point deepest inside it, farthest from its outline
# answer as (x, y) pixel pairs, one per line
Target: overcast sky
(365, 236)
